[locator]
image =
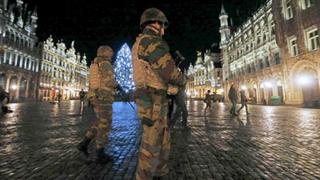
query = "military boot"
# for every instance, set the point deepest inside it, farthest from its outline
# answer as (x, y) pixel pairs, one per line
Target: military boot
(83, 146)
(102, 158)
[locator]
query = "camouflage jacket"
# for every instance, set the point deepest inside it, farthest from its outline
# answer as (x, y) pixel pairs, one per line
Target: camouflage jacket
(155, 50)
(108, 82)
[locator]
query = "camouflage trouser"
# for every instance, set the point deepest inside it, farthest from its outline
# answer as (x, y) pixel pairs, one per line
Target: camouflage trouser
(155, 142)
(101, 129)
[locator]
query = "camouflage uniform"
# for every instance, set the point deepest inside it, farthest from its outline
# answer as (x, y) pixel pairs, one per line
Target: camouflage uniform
(101, 98)
(102, 104)
(153, 105)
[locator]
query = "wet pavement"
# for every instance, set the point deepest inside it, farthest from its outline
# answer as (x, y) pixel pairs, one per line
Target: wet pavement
(38, 141)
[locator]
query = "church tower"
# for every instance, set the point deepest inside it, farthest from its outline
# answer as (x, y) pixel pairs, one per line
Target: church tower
(224, 28)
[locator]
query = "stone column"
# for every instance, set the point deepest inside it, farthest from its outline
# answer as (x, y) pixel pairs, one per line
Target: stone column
(18, 87)
(8, 82)
(27, 88)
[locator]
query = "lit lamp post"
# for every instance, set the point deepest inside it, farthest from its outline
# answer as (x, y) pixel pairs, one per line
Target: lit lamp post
(243, 87)
(305, 82)
(14, 87)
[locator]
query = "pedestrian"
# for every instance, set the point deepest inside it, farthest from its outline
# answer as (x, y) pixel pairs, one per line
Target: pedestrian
(101, 90)
(207, 100)
(181, 108)
(244, 101)
(59, 96)
(4, 96)
(153, 69)
(82, 95)
(233, 96)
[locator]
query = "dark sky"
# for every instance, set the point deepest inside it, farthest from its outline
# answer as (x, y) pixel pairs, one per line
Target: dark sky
(194, 24)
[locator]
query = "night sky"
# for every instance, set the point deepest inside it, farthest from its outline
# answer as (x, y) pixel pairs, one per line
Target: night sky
(193, 26)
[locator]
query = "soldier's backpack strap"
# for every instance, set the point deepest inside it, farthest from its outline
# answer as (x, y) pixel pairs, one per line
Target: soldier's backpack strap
(143, 74)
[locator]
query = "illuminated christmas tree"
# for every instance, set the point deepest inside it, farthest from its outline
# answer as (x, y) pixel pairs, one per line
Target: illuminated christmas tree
(123, 68)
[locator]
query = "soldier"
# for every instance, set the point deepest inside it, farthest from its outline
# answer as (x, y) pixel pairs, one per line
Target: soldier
(101, 94)
(153, 70)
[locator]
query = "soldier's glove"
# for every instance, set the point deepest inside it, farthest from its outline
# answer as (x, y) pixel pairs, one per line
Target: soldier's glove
(147, 122)
(172, 90)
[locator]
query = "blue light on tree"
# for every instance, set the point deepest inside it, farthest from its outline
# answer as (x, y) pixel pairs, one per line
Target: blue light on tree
(123, 68)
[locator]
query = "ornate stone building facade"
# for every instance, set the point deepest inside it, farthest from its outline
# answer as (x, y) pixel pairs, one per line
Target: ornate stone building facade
(205, 75)
(297, 31)
(62, 71)
(251, 56)
(19, 56)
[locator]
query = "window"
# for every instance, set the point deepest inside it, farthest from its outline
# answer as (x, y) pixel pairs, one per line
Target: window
(306, 3)
(18, 60)
(313, 39)
(293, 46)
(1, 56)
(288, 9)
(13, 59)
(258, 36)
(273, 31)
(261, 63)
(267, 62)
(277, 58)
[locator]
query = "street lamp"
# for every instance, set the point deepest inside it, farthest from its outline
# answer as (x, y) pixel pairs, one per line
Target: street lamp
(303, 80)
(268, 84)
(243, 87)
(14, 87)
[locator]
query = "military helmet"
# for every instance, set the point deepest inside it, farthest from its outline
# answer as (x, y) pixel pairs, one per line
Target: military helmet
(105, 51)
(151, 15)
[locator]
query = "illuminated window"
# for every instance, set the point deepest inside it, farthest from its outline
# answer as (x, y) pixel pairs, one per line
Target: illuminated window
(288, 12)
(306, 3)
(293, 46)
(1, 56)
(312, 39)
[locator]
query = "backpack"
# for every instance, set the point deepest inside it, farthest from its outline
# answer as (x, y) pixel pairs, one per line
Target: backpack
(94, 78)
(143, 74)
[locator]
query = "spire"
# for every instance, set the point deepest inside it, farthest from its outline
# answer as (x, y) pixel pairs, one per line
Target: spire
(34, 18)
(34, 15)
(19, 2)
(20, 20)
(223, 11)
(72, 44)
(5, 4)
(84, 60)
(11, 14)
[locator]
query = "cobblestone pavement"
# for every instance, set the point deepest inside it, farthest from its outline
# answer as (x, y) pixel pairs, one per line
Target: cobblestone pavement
(38, 141)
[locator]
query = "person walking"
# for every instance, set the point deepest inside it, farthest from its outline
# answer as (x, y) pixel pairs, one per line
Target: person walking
(59, 96)
(207, 101)
(4, 95)
(82, 95)
(155, 75)
(244, 101)
(233, 96)
(102, 86)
